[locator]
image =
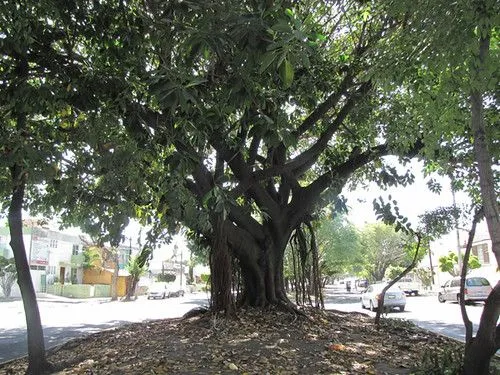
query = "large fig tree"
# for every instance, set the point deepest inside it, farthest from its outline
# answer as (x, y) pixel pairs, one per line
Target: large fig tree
(260, 113)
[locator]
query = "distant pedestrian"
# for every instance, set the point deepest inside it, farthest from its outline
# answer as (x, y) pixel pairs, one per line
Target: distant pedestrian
(348, 286)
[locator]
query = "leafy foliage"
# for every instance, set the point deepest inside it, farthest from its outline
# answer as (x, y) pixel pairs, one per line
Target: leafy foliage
(8, 275)
(339, 246)
(449, 263)
(393, 271)
(383, 247)
(166, 277)
(92, 257)
(134, 267)
(448, 361)
(425, 276)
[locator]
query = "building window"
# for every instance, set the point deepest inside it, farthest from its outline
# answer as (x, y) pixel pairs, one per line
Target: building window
(482, 254)
(486, 255)
(76, 249)
(53, 243)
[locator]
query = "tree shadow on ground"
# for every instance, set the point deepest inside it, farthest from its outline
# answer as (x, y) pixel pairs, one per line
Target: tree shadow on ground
(13, 342)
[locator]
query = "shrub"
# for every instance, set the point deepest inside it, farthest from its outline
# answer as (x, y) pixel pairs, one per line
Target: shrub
(166, 277)
(446, 362)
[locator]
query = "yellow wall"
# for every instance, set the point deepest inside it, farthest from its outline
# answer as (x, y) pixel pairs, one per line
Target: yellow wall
(102, 276)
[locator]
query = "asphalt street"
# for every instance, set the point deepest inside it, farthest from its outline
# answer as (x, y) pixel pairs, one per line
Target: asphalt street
(424, 310)
(64, 319)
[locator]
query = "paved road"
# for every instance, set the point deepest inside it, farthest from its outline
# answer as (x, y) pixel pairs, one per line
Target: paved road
(64, 319)
(425, 311)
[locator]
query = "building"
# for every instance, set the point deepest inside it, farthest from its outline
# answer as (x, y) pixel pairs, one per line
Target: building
(49, 256)
(57, 258)
(456, 242)
(102, 270)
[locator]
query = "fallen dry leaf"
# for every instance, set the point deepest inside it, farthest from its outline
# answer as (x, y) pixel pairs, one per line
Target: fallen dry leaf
(215, 344)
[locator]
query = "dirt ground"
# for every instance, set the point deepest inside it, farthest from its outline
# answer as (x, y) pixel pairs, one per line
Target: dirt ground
(274, 342)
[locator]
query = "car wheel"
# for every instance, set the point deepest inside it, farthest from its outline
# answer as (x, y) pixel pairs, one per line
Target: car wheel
(441, 298)
(371, 306)
(401, 308)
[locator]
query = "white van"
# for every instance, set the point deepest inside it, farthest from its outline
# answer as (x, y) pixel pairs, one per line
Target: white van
(476, 289)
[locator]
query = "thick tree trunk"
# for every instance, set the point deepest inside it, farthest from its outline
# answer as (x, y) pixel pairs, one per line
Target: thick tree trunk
(36, 345)
(131, 287)
(479, 351)
(261, 264)
(221, 271)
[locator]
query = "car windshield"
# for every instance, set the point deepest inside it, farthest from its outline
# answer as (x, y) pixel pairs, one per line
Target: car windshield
(477, 281)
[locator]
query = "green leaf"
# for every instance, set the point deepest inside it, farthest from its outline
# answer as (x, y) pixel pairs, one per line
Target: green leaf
(267, 60)
(282, 26)
(286, 73)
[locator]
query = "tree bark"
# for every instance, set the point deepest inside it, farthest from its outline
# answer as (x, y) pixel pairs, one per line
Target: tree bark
(114, 278)
(261, 263)
(37, 362)
(221, 271)
(463, 274)
(479, 351)
(483, 158)
(131, 287)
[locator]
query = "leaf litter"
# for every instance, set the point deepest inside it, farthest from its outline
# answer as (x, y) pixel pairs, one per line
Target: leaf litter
(253, 342)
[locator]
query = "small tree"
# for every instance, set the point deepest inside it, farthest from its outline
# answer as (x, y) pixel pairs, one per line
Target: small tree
(91, 257)
(424, 274)
(137, 266)
(382, 247)
(339, 246)
(7, 275)
(449, 263)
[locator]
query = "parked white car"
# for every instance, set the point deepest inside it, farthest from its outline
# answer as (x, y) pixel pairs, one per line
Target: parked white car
(394, 297)
(476, 289)
(158, 290)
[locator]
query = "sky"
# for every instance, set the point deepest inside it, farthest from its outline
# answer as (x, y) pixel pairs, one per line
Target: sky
(413, 200)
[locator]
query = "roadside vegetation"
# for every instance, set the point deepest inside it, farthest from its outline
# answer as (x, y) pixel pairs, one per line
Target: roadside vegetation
(243, 121)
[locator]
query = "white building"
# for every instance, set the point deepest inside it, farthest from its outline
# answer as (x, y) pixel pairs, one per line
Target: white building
(481, 247)
(53, 256)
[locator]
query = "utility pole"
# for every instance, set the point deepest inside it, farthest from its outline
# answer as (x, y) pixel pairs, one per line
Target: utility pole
(432, 267)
